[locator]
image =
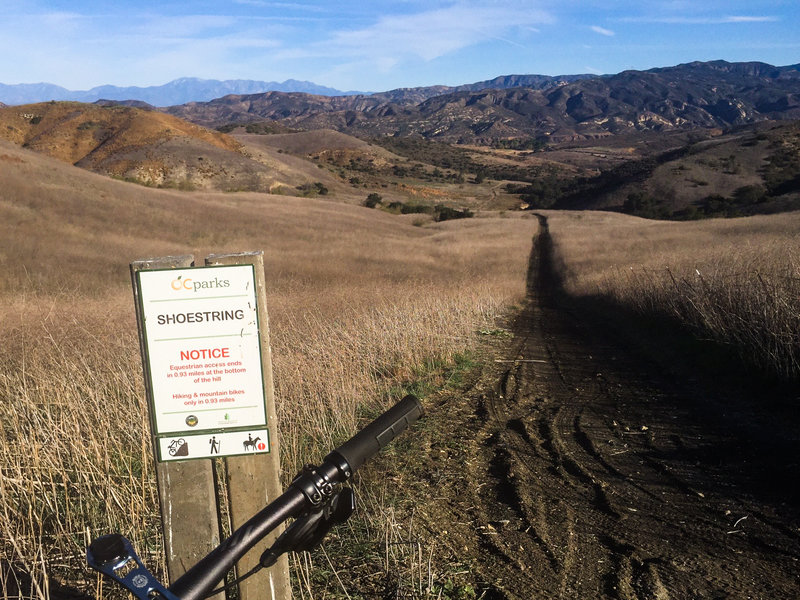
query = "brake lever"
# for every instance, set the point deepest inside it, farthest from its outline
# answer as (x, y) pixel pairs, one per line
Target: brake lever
(308, 531)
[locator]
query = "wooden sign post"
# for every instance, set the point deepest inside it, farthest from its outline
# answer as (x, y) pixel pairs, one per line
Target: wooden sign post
(204, 339)
(253, 480)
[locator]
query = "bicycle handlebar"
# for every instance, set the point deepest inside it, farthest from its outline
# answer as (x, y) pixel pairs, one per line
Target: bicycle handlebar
(375, 436)
(310, 489)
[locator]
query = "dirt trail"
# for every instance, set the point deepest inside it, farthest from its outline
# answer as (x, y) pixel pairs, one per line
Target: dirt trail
(578, 470)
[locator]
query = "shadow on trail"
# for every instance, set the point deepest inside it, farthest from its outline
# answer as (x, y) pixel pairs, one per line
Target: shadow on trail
(543, 278)
(748, 426)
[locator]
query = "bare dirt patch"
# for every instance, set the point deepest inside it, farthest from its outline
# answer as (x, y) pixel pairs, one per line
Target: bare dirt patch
(577, 468)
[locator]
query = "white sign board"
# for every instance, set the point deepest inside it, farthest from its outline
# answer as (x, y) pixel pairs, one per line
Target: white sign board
(203, 353)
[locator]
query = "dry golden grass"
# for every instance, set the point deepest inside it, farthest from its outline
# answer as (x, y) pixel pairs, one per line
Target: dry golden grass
(736, 281)
(358, 301)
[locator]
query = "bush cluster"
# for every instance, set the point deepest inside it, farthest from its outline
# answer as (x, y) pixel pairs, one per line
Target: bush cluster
(439, 212)
(313, 189)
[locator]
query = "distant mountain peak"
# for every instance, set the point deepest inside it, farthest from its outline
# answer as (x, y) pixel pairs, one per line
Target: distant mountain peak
(177, 91)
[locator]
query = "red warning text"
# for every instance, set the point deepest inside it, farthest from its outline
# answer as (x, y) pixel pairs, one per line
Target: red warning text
(205, 353)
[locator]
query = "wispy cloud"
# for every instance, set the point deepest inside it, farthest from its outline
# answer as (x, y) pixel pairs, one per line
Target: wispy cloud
(399, 44)
(749, 19)
(182, 27)
(705, 20)
(145, 48)
(433, 33)
(352, 44)
(602, 30)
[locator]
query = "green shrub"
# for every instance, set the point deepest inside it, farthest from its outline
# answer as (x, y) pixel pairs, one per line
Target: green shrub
(410, 209)
(395, 206)
(313, 189)
(750, 194)
(446, 213)
(373, 200)
(642, 204)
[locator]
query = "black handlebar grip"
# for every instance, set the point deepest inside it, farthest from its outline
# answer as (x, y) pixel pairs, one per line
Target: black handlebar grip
(367, 442)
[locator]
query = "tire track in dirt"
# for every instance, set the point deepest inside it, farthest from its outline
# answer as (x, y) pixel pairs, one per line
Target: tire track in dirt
(587, 474)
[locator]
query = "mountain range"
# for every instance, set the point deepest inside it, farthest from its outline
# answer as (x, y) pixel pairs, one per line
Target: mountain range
(706, 95)
(192, 89)
(179, 91)
(554, 108)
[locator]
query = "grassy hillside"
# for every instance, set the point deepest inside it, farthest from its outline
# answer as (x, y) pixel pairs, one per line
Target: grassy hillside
(159, 150)
(362, 304)
(419, 173)
(146, 147)
(290, 157)
(751, 170)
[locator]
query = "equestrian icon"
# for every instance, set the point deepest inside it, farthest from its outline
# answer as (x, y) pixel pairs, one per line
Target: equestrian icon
(250, 443)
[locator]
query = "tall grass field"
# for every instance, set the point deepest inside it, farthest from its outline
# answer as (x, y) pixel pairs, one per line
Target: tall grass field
(734, 281)
(361, 304)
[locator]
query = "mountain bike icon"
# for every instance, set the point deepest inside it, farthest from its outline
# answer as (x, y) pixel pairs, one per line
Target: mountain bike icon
(178, 447)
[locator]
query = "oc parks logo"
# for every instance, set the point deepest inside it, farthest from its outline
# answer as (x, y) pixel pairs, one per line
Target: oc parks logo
(181, 284)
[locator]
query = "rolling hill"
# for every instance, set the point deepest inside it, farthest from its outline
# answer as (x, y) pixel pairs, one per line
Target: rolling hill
(68, 231)
(149, 147)
(153, 149)
(701, 139)
(752, 169)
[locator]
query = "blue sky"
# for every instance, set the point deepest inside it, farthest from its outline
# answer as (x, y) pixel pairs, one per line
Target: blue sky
(378, 45)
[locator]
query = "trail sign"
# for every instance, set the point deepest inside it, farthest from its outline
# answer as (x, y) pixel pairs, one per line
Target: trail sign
(203, 361)
(204, 339)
